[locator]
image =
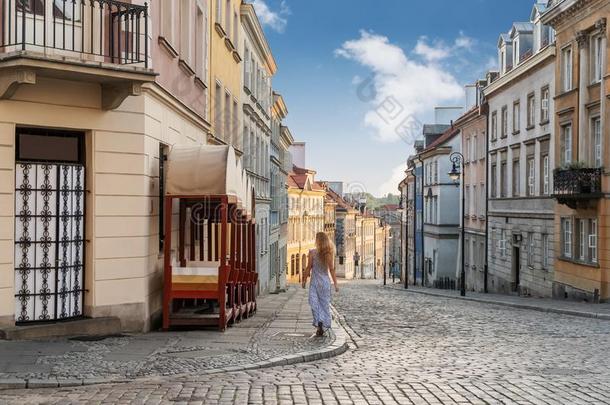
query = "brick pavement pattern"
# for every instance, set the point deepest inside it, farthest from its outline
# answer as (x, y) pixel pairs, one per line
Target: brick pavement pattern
(408, 349)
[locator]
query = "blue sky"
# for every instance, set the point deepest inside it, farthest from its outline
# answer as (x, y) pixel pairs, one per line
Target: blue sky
(359, 75)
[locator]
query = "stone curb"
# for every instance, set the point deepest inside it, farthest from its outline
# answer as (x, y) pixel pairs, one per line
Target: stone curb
(582, 314)
(338, 346)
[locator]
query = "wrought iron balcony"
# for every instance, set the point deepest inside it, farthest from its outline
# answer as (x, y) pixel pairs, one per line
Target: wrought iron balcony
(108, 30)
(577, 186)
(104, 41)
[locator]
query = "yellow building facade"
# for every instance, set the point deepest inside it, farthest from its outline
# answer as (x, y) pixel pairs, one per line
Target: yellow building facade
(305, 219)
(226, 77)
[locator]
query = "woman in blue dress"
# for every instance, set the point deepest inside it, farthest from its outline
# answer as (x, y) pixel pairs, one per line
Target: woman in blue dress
(321, 268)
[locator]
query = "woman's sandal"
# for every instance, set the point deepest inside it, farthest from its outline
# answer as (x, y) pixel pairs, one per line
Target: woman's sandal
(320, 330)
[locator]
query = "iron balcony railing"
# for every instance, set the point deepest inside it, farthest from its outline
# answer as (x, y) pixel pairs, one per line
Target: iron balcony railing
(105, 30)
(577, 183)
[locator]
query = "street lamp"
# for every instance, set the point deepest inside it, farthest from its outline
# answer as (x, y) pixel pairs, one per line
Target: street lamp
(457, 171)
(357, 262)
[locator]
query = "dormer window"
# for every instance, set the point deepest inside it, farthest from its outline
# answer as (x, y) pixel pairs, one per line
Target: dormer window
(516, 52)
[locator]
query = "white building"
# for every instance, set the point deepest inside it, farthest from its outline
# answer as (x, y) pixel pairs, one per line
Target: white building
(520, 159)
(256, 99)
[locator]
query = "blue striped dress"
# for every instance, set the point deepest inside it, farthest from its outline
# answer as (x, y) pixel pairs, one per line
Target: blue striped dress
(320, 292)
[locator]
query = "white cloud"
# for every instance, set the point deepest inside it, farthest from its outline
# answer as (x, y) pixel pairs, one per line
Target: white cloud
(399, 88)
(275, 20)
(391, 185)
(431, 53)
(463, 41)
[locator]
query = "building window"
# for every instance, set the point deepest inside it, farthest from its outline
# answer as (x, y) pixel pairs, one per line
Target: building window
(545, 251)
(566, 236)
(531, 177)
(218, 11)
(186, 12)
(467, 201)
(597, 59)
(228, 16)
(235, 29)
(494, 181)
(494, 125)
(201, 45)
(592, 240)
(475, 148)
(235, 121)
(597, 142)
(566, 144)
(503, 182)
(582, 239)
(227, 118)
(503, 243)
(516, 117)
(530, 249)
(544, 105)
(218, 122)
(566, 69)
(167, 25)
(436, 172)
(516, 178)
(531, 110)
(475, 199)
(246, 67)
(493, 242)
(504, 122)
(545, 175)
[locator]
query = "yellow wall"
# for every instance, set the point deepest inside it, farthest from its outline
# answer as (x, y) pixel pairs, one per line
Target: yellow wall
(224, 67)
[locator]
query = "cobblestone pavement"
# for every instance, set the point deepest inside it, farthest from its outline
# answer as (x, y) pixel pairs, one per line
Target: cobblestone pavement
(409, 349)
(281, 327)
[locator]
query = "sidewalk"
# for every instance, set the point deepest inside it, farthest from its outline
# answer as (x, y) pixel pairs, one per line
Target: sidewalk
(582, 309)
(280, 333)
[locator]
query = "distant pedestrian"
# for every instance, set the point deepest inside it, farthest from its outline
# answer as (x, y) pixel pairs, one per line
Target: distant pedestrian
(321, 268)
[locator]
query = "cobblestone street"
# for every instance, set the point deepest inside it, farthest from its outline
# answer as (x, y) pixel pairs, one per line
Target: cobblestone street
(408, 349)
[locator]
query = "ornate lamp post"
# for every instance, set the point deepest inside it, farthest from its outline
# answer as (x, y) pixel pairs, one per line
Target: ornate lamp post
(457, 171)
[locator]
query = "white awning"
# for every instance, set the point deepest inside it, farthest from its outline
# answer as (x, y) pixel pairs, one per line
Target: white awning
(207, 170)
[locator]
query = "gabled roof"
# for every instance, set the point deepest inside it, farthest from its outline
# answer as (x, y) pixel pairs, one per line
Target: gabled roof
(340, 201)
(538, 9)
(521, 28)
(504, 37)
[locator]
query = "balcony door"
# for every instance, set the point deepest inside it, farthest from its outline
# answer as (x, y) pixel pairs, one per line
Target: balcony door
(49, 225)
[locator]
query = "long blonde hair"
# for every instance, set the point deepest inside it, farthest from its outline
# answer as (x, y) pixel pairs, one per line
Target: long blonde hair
(325, 249)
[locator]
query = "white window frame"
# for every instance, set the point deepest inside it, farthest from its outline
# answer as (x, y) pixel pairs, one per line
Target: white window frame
(545, 173)
(567, 68)
(592, 240)
(531, 176)
(596, 130)
(516, 116)
(566, 143)
(219, 5)
(531, 110)
(544, 104)
(566, 230)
